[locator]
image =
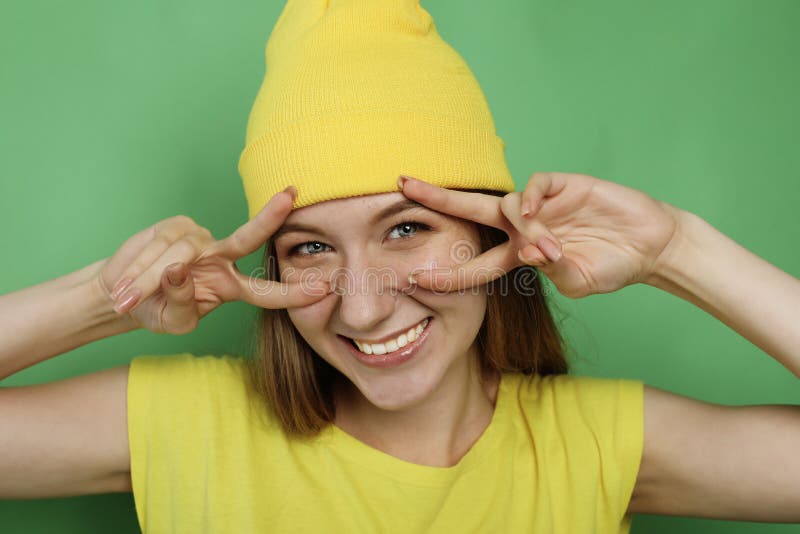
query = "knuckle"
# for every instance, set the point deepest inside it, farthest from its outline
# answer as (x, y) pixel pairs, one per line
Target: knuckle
(184, 220)
(186, 247)
(202, 240)
(538, 177)
(176, 226)
(162, 240)
(508, 202)
(134, 271)
(205, 232)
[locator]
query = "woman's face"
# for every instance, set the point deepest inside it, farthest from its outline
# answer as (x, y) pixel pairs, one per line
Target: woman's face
(368, 245)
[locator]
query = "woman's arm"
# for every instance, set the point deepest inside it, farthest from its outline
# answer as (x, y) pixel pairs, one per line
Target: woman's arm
(752, 296)
(159, 264)
(54, 317)
(698, 459)
(606, 236)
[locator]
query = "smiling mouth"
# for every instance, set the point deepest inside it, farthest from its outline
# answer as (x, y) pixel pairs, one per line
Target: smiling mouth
(393, 345)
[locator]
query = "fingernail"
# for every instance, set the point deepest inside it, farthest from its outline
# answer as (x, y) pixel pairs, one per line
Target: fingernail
(412, 279)
(121, 286)
(401, 182)
(526, 208)
(292, 190)
(127, 301)
(549, 248)
(174, 275)
(320, 287)
(528, 253)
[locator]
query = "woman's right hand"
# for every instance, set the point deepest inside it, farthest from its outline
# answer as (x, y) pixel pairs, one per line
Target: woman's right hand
(203, 269)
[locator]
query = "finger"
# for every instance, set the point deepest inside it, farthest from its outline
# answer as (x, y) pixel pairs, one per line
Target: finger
(180, 315)
(149, 245)
(125, 255)
(250, 236)
(540, 186)
(478, 207)
(186, 250)
(489, 266)
(274, 295)
(530, 254)
(533, 230)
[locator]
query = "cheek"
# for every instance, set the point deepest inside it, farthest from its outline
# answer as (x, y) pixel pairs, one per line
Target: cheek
(294, 273)
(310, 320)
(444, 256)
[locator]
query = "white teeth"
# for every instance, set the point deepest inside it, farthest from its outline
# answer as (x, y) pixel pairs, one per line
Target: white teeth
(390, 346)
(414, 332)
(364, 347)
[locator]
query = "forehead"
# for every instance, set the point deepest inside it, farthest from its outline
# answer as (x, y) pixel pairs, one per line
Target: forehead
(364, 207)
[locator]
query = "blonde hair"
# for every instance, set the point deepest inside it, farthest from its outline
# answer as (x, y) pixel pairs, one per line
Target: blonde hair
(295, 383)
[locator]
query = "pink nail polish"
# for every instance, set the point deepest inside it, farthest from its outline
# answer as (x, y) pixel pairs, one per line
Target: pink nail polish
(549, 248)
(121, 286)
(127, 301)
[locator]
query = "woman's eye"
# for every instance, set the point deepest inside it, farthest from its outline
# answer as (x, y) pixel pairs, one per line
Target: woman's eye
(309, 248)
(403, 230)
(408, 228)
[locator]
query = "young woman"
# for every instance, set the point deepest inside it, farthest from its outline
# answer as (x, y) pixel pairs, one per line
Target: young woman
(408, 376)
(423, 424)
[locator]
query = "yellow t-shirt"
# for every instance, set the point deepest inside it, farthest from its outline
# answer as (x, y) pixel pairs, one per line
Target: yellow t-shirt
(560, 455)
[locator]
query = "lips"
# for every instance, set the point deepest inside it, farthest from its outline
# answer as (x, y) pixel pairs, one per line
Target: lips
(391, 359)
(391, 343)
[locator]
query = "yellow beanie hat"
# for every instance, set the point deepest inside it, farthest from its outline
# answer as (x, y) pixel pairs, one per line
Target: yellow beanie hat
(358, 92)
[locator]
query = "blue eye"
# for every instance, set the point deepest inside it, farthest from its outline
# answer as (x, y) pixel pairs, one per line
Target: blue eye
(408, 225)
(313, 248)
(300, 249)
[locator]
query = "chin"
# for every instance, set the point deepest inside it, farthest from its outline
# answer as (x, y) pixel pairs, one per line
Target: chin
(398, 398)
(400, 391)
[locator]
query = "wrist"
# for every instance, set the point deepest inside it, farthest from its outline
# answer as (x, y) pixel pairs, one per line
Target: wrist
(671, 269)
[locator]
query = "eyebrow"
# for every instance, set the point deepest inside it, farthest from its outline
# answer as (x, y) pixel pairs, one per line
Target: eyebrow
(390, 210)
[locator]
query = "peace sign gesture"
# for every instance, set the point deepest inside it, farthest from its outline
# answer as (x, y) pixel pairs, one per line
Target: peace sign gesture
(605, 236)
(170, 275)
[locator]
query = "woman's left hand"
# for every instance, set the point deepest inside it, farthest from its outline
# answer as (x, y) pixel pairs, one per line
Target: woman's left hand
(608, 236)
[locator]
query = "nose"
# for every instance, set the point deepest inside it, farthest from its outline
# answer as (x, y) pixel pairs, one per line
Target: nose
(368, 295)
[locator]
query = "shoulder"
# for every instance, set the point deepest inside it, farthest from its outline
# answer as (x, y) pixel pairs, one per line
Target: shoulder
(571, 408)
(188, 362)
(186, 381)
(187, 370)
(585, 392)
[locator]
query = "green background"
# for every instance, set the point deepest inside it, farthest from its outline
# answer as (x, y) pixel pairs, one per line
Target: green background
(116, 115)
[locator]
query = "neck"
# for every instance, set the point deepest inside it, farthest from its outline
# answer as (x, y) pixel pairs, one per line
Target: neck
(436, 432)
